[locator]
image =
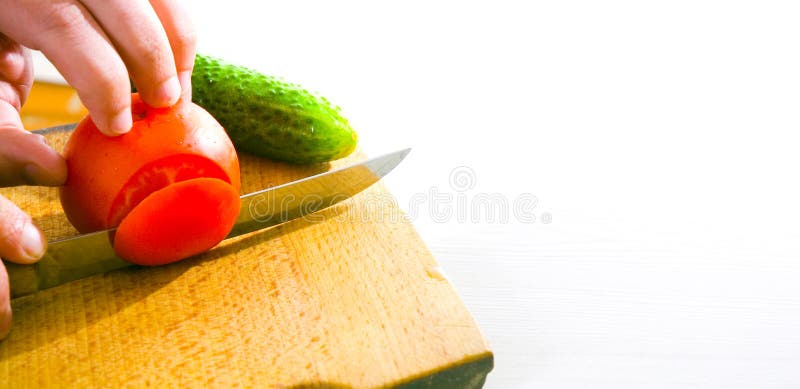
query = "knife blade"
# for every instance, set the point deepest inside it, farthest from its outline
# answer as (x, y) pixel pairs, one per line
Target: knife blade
(89, 254)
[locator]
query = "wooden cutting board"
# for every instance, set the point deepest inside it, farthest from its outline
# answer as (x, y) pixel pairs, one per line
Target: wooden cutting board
(350, 299)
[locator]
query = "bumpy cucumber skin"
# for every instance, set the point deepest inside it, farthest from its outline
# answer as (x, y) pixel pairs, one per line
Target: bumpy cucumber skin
(269, 117)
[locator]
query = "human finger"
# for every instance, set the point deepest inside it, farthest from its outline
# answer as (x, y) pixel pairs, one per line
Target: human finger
(20, 239)
(69, 36)
(182, 39)
(141, 41)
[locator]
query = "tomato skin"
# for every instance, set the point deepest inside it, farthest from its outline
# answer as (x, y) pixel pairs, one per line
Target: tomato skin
(99, 167)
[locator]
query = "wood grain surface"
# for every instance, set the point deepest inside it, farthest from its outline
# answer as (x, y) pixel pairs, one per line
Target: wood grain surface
(348, 298)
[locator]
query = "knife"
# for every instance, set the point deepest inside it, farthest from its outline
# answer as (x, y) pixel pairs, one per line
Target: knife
(89, 254)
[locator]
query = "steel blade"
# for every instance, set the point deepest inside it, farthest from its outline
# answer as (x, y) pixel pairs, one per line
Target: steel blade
(89, 254)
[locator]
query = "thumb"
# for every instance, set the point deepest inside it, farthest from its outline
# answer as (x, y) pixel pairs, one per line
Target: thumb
(25, 158)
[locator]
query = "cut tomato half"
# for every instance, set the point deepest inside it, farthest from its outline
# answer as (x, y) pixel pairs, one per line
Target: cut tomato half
(157, 175)
(180, 220)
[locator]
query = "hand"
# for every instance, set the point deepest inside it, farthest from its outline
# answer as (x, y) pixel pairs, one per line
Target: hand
(97, 45)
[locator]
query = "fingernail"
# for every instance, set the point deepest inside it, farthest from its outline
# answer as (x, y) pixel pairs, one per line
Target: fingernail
(169, 92)
(32, 242)
(121, 123)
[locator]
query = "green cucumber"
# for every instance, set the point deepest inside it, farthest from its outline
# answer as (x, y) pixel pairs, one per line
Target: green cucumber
(269, 117)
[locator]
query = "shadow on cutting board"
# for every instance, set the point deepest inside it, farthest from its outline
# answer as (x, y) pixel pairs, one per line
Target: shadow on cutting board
(102, 296)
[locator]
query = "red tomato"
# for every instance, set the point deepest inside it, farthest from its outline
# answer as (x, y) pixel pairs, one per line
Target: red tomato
(175, 163)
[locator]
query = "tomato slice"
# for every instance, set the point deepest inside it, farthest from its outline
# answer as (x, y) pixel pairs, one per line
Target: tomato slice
(177, 221)
(157, 175)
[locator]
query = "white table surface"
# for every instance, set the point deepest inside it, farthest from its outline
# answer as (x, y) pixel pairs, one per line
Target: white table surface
(659, 139)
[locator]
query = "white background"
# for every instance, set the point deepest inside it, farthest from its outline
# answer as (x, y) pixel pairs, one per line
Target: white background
(659, 136)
